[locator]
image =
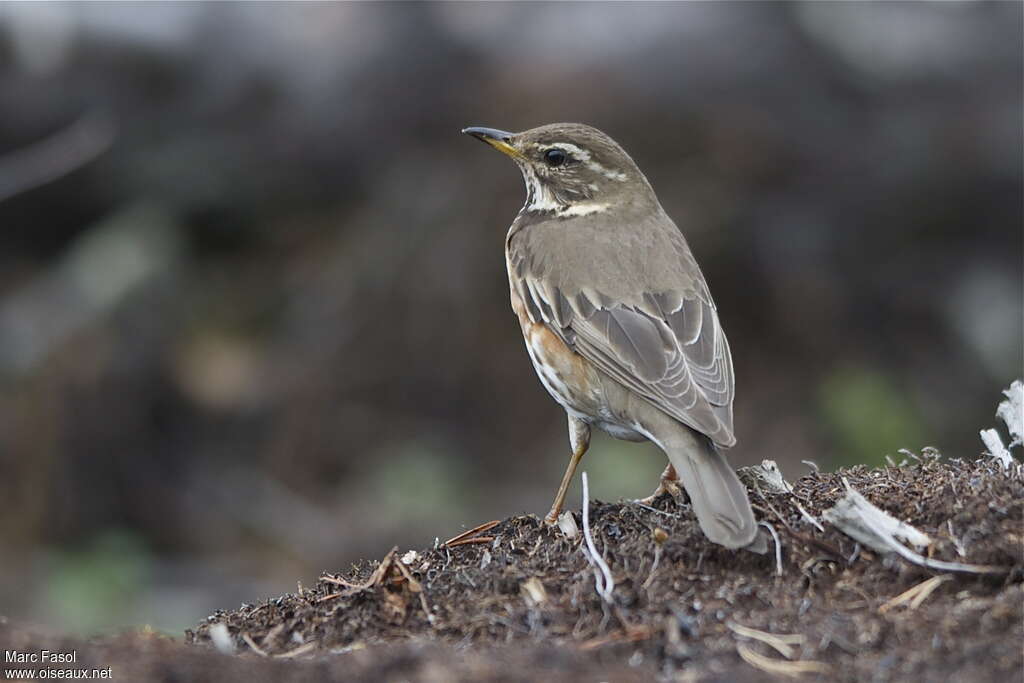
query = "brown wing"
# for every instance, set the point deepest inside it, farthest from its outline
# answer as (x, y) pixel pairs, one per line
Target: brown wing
(641, 313)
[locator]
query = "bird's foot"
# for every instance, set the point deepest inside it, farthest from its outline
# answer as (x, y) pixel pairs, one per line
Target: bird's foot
(666, 486)
(551, 519)
(669, 484)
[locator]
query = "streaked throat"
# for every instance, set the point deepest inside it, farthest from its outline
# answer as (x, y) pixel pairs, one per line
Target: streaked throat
(541, 200)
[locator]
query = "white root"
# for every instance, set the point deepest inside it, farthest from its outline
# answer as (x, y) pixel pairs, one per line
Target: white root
(605, 584)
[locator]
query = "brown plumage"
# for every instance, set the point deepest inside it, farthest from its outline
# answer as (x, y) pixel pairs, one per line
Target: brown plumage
(617, 317)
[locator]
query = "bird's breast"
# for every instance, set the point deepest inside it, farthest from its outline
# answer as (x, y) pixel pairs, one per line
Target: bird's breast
(569, 377)
(565, 374)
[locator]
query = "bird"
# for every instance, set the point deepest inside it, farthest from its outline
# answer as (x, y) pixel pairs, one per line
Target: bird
(618, 319)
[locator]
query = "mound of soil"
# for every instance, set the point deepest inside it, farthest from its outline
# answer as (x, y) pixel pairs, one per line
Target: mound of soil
(519, 601)
(681, 605)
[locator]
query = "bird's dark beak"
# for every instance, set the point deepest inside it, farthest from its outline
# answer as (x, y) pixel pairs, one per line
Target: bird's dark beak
(498, 139)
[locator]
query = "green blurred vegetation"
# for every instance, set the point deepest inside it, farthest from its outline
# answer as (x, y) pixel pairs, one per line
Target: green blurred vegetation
(419, 479)
(616, 470)
(869, 416)
(95, 588)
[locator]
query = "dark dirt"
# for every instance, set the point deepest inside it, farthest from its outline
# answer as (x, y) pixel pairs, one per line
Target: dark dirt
(523, 605)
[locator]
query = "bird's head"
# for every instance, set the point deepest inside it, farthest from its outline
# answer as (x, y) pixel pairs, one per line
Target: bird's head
(570, 169)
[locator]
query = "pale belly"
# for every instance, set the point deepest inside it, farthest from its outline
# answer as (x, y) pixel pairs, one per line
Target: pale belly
(570, 379)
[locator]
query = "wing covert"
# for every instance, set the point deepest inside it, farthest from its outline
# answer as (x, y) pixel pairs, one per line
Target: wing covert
(666, 345)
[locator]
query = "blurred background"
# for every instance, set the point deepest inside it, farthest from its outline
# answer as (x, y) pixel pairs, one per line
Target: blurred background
(254, 318)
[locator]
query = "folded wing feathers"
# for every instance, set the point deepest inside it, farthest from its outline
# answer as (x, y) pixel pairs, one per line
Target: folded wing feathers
(707, 356)
(582, 306)
(670, 348)
(636, 340)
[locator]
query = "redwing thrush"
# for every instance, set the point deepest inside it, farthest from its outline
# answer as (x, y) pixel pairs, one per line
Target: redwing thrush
(618, 319)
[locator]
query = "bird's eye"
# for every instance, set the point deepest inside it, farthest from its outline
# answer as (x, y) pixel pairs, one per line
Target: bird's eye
(555, 157)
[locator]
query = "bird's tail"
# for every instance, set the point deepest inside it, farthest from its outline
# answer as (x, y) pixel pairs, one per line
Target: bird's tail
(719, 499)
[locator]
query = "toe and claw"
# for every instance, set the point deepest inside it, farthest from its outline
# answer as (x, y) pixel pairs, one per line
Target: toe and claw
(669, 484)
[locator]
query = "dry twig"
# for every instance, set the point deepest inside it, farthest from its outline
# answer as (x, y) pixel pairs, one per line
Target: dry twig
(387, 565)
(809, 517)
(660, 536)
(630, 634)
(783, 644)
(300, 650)
(458, 539)
(916, 595)
(252, 645)
(778, 546)
(780, 667)
(468, 541)
(374, 579)
(414, 586)
(645, 506)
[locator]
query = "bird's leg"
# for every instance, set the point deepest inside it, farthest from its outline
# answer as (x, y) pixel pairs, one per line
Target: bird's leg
(579, 439)
(666, 485)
